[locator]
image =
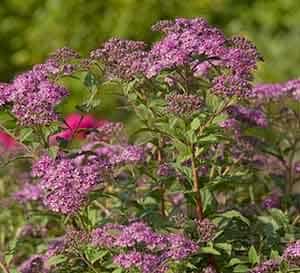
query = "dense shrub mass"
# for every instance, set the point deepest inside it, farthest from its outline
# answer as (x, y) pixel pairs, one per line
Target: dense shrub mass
(206, 182)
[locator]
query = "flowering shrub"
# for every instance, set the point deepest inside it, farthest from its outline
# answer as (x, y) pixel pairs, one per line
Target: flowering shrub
(204, 183)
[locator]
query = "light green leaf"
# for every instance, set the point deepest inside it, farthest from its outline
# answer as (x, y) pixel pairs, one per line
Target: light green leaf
(269, 220)
(195, 124)
(90, 80)
(241, 268)
(225, 246)
(208, 139)
(25, 133)
(253, 256)
(191, 266)
(118, 270)
(209, 250)
(235, 214)
(274, 254)
(207, 200)
(234, 261)
(57, 259)
(53, 151)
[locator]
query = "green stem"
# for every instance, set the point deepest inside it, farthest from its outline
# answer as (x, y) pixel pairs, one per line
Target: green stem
(103, 208)
(81, 222)
(42, 137)
(161, 184)
(196, 188)
(14, 159)
(214, 115)
(87, 262)
(251, 194)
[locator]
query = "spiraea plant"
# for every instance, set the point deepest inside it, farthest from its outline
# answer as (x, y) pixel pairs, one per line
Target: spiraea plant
(187, 186)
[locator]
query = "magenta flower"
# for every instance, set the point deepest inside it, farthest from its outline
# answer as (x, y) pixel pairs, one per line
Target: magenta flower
(146, 263)
(7, 143)
(76, 125)
(65, 184)
(123, 58)
(34, 97)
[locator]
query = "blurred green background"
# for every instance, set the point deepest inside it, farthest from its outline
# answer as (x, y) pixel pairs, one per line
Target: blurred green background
(30, 29)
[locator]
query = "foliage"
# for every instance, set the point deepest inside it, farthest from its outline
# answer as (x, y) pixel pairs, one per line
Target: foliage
(202, 182)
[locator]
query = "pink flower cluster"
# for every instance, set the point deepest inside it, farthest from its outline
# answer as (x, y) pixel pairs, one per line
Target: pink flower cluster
(65, 182)
(276, 91)
(269, 266)
(35, 94)
(187, 44)
(158, 249)
(292, 253)
(254, 117)
(34, 98)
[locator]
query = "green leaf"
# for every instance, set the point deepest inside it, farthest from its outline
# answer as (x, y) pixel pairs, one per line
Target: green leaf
(241, 268)
(209, 250)
(183, 149)
(208, 201)
(58, 259)
(191, 266)
(25, 133)
(195, 124)
(53, 151)
(144, 113)
(14, 271)
(235, 214)
(284, 267)
(176, 122)
(270, 221)
(279, 217)
(118, 270)
(218, 119)
(90, 80)
(191, 136)
(9, 255)
(208, 139)
(224, 246)
(132, 97)
(130, 87)
(92, 216)
(274, 254)
(212, 101)
(253, 256)
(234, 261)
(97, 255)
